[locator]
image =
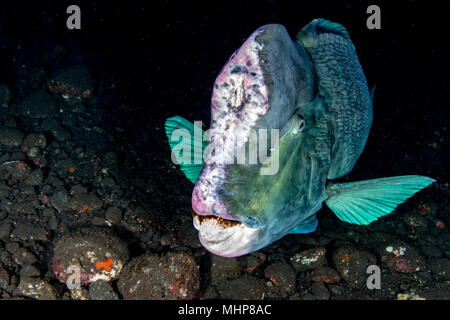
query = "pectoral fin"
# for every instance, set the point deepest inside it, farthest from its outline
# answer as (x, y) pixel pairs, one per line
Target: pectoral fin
(364, 202)
(186, 149)
(307, 226)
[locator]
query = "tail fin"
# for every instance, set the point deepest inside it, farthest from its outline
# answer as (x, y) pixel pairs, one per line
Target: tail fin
(364, 202)
(190, 167)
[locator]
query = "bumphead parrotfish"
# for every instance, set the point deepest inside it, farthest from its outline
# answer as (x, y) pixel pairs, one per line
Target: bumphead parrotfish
(311, 95)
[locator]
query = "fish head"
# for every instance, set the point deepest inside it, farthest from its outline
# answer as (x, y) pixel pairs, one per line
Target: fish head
(260, 108)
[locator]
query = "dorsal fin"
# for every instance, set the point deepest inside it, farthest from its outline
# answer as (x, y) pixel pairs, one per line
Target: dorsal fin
(343, 87)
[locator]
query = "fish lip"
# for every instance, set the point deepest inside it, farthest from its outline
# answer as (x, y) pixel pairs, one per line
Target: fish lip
(227, 238)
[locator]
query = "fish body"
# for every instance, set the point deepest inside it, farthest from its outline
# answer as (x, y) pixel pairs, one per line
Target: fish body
(313, 96)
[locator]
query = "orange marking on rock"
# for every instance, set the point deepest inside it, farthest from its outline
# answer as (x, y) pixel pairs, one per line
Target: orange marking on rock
(440, 224)
(85, 207)
(21, 164)
(106, 265)
(71, 170)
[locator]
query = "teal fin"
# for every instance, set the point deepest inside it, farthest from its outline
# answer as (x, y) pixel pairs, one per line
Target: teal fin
(364, 202)
(306, 226)
(191, 163)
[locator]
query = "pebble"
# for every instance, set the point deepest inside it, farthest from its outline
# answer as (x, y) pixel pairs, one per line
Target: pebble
(400, 257)
(25, 231)
(113, 215)
(11, 137)
(102, 290)
(97, 252)
(320, 291)
(352, 264)
(309, 259)
(60, 201)
(245, 288)
(35, 140)
(85, 202)
(441, 268)
(36, 289)
(37, 104)
(188, 235)
(5, 95)
(75, 81)
(35, 178)
(252, 261)
(60, 133)
(172, 276)
(325, 274)
(224, 269)
(282, 275)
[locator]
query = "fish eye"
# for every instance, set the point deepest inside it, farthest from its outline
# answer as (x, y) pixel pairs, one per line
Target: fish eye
(299, 124)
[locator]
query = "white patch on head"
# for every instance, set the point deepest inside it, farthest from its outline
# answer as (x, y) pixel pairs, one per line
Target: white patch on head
(238, 101)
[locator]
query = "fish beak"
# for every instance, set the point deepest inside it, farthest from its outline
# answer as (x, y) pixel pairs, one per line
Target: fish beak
(227, 238)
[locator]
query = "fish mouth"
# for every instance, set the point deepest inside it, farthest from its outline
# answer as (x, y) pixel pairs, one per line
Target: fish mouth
(227, 238)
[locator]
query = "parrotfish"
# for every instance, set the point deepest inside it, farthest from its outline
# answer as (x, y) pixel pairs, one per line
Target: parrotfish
(313, 93)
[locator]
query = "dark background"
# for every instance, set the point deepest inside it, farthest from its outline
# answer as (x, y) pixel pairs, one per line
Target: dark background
(163, 57)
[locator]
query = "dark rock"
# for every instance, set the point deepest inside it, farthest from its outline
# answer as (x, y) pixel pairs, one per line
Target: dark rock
(11, 137)
(48, 124)
(37, 104)
(4, 279)
(113, 215)
(85, 203)
(78, 189)
(401, 257)
(441, 268)
(5, 230)
(308, 297)
(60, 133)
(25, 231)
(29, 271)
(5, 95)
(245, 288)
(252, 261)
(320, 291)
(60, 201)
(35, 140)
(36, 289)
(352, 264)
(75, 81)
(282, 275)
(14, 170)
(23, 257)
(35, 178)
(431, 251)
(102, 290)
(173, 276)
(188, 235)
(4, 191)
(325, 274)
(224, 269)
(309, 259)
(441, 291)
(210, 293)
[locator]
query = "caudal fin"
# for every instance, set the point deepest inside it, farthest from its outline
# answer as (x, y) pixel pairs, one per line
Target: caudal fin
(364, 202)
(180, 130)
